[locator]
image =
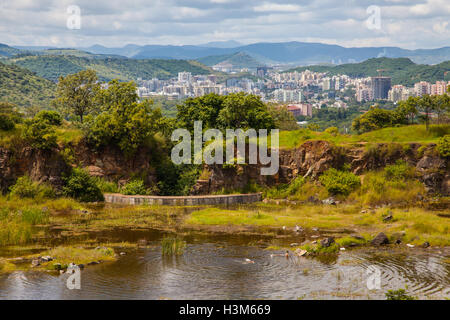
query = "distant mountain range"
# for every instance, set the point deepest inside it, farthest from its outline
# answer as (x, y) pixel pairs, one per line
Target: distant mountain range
(290, 53)
(283, 53)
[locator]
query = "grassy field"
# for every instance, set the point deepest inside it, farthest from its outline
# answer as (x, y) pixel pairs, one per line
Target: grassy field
(405, 134)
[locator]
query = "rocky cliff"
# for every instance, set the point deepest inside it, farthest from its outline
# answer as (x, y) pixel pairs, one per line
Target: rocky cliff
(314, 157)
(310, 159)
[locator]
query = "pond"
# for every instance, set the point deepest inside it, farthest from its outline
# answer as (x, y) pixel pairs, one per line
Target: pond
(217, 268)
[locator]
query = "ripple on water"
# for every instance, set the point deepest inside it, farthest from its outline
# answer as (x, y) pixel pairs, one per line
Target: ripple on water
(220, 271)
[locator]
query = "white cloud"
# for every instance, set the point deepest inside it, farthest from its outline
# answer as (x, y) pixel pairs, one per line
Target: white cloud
(405, 23)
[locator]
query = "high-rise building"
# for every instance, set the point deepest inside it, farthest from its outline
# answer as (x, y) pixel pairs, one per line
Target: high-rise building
(422, 88)
(184, 76)
(381, 87)
(439, 88)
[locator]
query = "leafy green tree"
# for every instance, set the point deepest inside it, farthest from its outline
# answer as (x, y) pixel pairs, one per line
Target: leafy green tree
(75, 94)
(237, 110)
(116, 93)
(427, 105)
(124, 122)
(375, 118)
(442, 105)
(408, 108)
(242, 110)
(205, 108)
(284, 120)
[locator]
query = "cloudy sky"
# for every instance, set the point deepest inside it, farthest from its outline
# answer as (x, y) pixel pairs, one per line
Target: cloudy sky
(406, 23)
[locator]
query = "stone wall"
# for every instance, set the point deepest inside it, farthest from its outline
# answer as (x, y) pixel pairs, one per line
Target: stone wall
(184, 201)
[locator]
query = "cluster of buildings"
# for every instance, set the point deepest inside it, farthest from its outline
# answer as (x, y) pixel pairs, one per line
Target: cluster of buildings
(400, 92)
(379, 88)
(187, 85)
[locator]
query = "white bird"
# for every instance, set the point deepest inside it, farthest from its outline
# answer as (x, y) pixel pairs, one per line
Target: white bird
(410, 245)
(298, 229)
(249, 261)
(284, 228)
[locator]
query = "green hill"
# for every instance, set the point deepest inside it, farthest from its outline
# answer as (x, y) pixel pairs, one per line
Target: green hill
(238, 60)
(24, 88)
(52, 66)
(402, 70)
(7, 51)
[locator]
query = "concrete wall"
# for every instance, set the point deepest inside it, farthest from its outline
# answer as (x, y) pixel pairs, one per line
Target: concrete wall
(184, 201)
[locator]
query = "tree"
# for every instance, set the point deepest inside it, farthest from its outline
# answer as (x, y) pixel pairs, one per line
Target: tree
(284, 120)
(124, 122)
(205, 108)
(244, 111)
(375, 118)
(116, 93)
(237, 110)
(75, 94)
(442, 105)
(426, 104)
(408, 108)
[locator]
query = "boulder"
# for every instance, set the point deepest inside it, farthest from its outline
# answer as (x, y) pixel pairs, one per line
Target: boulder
(327, 242)
(380, 239)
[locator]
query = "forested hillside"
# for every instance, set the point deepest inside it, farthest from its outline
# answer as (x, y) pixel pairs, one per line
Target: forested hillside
(402, 70)
(24, 88)
(53, 66)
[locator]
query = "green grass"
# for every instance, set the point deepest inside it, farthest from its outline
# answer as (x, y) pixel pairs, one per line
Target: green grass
(404, 134)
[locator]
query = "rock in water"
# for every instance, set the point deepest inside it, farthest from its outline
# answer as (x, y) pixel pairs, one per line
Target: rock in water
(327, 242)
(380, 239)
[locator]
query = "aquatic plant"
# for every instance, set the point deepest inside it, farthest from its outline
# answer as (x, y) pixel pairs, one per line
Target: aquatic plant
(399, 294)
(172, 246)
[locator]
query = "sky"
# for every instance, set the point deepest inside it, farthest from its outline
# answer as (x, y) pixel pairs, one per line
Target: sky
(351, 23)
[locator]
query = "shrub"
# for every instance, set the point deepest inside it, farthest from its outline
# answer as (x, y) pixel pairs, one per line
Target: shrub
(135, 187)
(26, 188)
(339, 182)
(40, 134)
(6, 123)
(443, 146)
(334, 131)
(81, 186)
(51, 117)
(106, 186)
(399, 171)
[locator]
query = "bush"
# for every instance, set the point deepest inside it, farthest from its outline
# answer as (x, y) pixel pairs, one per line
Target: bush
(6, 123)
(135, 187)
(81, 186)
(26, 188)
(399, 171)
(106, 186)
(51, 117)
(443, 146)
(40, 134)
(339, 182)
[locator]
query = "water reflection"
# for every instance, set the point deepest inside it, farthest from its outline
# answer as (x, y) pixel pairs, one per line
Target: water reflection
(219, 271)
